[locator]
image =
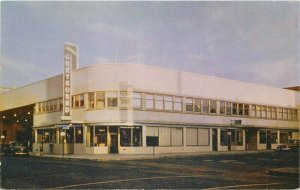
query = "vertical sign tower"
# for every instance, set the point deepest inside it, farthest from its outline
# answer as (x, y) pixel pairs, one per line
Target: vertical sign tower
(70, 64)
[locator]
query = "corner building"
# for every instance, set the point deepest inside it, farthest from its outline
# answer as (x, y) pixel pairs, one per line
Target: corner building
(138, 109)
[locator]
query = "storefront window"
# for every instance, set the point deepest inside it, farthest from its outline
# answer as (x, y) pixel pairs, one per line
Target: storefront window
(191, 136)
(100, 138)
(70, 135)
(223, 137)
(274, 137)
(262, 137)
(131, 136)
(284, 137)
(46, 136)
(239, 137)
(79, 134)
(203, 137)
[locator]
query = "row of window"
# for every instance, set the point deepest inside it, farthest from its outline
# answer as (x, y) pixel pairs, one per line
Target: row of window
(168, 103)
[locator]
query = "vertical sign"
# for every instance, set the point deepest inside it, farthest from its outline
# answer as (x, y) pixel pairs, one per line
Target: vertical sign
(70, 64)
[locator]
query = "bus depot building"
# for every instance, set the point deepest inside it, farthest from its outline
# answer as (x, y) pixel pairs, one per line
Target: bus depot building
(138, 109)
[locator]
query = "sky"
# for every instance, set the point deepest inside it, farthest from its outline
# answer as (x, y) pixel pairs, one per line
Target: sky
(256, 42)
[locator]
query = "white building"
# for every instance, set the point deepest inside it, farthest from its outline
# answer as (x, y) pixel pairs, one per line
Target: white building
(129, 108)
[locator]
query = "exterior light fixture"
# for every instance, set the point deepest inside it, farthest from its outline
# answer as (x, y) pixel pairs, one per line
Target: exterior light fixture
(15, 115)
(17, 121)
(25, 119)
(29, 113)
(3, 117)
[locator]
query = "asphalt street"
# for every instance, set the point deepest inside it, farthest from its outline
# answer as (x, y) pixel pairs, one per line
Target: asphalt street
(237, 171)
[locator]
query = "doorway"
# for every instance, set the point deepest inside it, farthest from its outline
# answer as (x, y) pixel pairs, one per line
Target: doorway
(113, 131)
(215, 139)
(251, 139)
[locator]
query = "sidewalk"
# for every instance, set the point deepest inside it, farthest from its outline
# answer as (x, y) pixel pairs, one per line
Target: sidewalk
(111, 157)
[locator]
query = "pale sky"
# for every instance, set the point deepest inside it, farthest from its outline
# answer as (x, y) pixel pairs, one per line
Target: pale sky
(256, 42)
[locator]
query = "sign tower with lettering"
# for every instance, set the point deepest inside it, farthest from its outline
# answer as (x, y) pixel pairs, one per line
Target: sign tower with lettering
(70, 64)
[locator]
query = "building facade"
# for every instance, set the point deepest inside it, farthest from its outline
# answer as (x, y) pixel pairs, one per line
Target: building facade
(139, 109)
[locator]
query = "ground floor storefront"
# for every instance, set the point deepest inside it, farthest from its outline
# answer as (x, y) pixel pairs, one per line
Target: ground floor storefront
(154, 138)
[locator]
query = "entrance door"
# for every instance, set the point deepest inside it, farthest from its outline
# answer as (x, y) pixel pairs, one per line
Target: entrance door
(251, 139)
(113, 131)
(269, 145)
(215, 139)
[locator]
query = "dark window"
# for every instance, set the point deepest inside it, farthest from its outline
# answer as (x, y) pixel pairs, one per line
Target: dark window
(262, 137)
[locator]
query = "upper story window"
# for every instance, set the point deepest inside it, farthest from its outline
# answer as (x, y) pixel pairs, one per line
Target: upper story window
(258, 111)
(100, 99)
(177, 103)
(168, 103)
(241, 109)
(273, 112)
(112, 99)
(197, 105)
(294, 114)
(279, 113)
(263, 111)
(125, 100)
(149, 101)
(246, 109)
(189, 104)
(91, 99)
(222, 107)
(228, 108)
(285, 114)
(78, 100)
(269, 112)
(137, 100)
(159, 102)
(213, 106)
(205, 106)
(234, 108)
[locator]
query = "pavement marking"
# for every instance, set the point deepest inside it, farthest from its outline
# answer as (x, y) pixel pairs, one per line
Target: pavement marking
(246, 185)
(227, 161)
(126, 180)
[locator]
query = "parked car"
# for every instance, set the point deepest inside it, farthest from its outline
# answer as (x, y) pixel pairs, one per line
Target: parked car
(291, 145)
(16, 149)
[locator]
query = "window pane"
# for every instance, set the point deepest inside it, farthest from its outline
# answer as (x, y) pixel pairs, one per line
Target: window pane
(273, 137)
(177, 104)
(223, 137)
(203, 137)
(191, 136)
(125, 100)
(100, 138)
(168, 103)
(222, 107)
(112, 99)
(246, 109)
(79, 134)
(100, 98)
(149, 101)
(280, 111)
(159, 102)
(189, 104)
(239, 137)
(164, 136)
(263, 111)
(91, 100)
(258, 111)
(234, 108)
(136, 100)
(197, 105)
(241, 109)
(205, 106)
(269, 112)
(125, 135)
(213, 106)
(137, 136)
(262, 137)
(177, 136)
(228, 108)
(273, 113)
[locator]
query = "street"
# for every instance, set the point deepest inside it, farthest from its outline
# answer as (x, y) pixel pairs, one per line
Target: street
(236, 171)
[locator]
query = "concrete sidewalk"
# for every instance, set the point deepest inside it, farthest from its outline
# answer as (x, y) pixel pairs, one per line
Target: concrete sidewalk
(111, 157)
